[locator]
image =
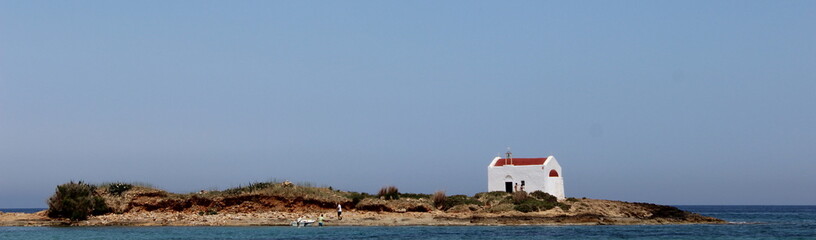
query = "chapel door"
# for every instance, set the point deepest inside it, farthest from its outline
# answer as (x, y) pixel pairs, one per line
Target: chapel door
(508, 187)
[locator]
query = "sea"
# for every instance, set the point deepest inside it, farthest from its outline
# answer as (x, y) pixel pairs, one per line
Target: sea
(746, 222)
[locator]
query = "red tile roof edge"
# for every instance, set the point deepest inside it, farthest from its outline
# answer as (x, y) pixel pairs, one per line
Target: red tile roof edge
(521, 161)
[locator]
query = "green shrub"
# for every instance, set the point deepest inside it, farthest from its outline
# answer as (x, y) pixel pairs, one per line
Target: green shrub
(491, 195)
(249, 188)
(497, 194)
(525, 208)
(76, 201)
(210, 211)
(532, 205)
(564, 206)
(389, 192)
(494, 198)
(460, 200)
(439, 199)
(546, 197)
(503, 207)
(356, 197)
(414, 195)
(507, 199)
(119, 188)
(572, 199)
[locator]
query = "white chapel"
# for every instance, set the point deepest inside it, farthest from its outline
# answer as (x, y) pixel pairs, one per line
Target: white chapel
(525, 174)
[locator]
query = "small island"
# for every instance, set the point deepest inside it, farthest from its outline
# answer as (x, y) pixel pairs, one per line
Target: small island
(281, 203)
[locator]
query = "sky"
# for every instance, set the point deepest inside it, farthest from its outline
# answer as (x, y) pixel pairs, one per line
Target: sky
(670, 102)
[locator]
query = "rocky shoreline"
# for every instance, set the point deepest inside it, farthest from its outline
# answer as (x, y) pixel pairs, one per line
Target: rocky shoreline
(592, 212)
(279, 204)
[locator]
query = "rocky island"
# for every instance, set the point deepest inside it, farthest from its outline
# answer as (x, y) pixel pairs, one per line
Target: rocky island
(280, 203)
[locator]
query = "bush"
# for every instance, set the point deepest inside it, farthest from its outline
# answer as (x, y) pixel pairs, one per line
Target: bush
(356, 197)
(494, 198)
(503, 207)
(525, 208)
(460, 200)
(76, 201)
(414, 195)
(389, 192)
(546, 197)
(494, 194)
(532, 204)
(119, 188)
(490, 195)
(210, 211)
(439, 199)
(464, 208)
(572, 199)
(565, 207)
(519, 197)
(100, 207)
(249, 188)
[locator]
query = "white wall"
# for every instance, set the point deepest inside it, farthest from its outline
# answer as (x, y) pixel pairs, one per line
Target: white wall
(536, 177)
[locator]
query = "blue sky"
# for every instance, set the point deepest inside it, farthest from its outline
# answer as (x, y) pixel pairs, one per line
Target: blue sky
(673, 102)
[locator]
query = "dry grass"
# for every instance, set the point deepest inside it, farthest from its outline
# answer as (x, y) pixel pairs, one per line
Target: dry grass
(494, 198)
(503, 207)
(439, 198)
(283, 190)
(400, 205)
(520, 196)
(389, 192)
(464, 208)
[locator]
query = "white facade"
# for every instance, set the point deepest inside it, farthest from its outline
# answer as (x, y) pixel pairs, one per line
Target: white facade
(533, 173)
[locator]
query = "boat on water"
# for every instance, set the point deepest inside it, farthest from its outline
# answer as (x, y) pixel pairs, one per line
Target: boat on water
(301, 222)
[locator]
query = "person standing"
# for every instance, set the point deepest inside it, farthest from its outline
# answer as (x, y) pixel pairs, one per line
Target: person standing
(339, 211)
(320, 220)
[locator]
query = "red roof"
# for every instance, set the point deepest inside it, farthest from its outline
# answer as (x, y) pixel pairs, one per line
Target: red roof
(521, 161)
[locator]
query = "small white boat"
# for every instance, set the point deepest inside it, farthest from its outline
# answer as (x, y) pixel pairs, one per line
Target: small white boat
(302, 222)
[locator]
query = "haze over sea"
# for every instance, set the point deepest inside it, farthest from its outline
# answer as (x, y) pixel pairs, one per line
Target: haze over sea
(748, 222)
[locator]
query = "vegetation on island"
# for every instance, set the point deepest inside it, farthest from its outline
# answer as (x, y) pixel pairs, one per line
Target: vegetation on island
(79, 200)
(76, 201)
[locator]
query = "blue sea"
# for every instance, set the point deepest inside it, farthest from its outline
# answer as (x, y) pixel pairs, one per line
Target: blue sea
(21, 210)
(748, 222)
